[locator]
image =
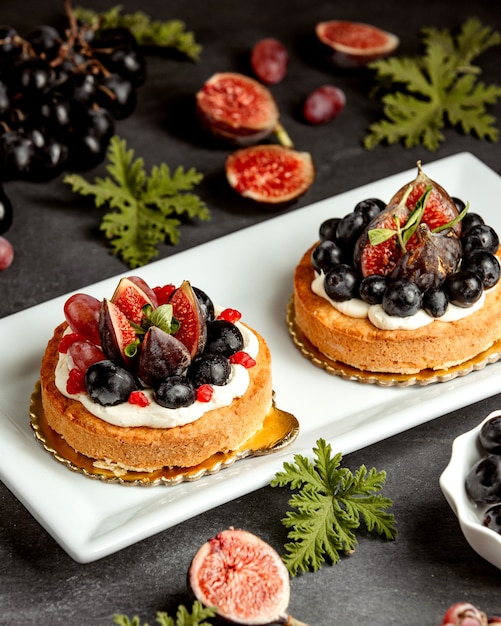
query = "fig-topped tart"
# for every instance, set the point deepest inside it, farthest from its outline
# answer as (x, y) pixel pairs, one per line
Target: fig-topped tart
(403, 289)
(154, 378)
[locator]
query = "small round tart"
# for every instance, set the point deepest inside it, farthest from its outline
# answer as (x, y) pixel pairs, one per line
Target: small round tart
(147, 449)
(359, 344)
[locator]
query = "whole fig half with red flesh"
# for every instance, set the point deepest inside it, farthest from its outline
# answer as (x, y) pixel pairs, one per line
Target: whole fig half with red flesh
(193, 326)
(440, 209)
(130, 298)
(116, 334)
(270, 173)
(355, 44)
(243, 577)
(238, 109)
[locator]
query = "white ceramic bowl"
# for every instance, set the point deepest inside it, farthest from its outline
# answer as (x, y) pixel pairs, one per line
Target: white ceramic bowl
(466, 451)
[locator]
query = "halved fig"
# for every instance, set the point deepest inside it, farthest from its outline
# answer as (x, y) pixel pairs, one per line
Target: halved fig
(116, 333)
(243, 577)
(270, 173)
(130, 298)
(142, 284)
(239, 109)
(193, 327)
(355, 44)
(440, 209)
(162, 355)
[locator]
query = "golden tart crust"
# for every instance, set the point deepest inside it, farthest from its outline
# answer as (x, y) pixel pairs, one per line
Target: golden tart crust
(147, 449)
(358, 343)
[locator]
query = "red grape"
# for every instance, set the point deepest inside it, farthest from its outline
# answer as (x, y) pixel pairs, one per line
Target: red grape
(82, 314)
(83, 354)
(269, 59)
(324, 104)
(6, 253)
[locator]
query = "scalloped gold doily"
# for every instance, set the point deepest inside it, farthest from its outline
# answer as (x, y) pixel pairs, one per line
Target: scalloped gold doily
(424, 377)
(279, 430)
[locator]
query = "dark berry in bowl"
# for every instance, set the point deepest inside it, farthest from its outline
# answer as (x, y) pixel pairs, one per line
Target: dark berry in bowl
(402, 298)
(209, 369)
(463, 288)
(372, 288)
(490, 435)
(224, 338)
(483, 482)
(492, 518)
(485, 265)
(342, 283)
(109, 384)
(175, 392)
(325, 256)
(435, 301)
(481, 237)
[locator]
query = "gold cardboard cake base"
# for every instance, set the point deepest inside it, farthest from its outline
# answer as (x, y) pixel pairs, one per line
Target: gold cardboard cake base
(279, 430)
(424, 377)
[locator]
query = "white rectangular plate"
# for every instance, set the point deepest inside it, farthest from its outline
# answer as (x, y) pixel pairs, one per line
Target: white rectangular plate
(250, 270)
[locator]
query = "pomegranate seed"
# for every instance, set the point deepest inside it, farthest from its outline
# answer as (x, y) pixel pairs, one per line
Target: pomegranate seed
(230, 315)
(138, 397)
(242, 358)
(163, 293)
(67, 340)
(75, 382)
(204, 393)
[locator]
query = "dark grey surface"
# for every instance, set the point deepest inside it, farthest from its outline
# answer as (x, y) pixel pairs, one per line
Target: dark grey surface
(58, 249)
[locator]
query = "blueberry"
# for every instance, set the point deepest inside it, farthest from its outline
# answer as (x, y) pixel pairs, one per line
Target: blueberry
(402, 298)
(206, 304)
(224, 338)
(492, 518)
(485, 265)
(350, 228)
(463, 288)
(490, 435)
(109, 384)
(325, 256)
(435, 301)
(211, 369)
(370, 208)
(483, 482)
(372, 288)
(471, 219)
(342, 283)
(175, 392)
(481, 237)
(460, 204)
(327, 230)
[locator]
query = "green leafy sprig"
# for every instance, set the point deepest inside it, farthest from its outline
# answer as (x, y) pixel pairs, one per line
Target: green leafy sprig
(148, 32)
(141, 206)
(183, 617)
(425, 93)
(330, 503)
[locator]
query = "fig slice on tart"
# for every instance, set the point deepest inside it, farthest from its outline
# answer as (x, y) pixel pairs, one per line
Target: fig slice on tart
(186, 308)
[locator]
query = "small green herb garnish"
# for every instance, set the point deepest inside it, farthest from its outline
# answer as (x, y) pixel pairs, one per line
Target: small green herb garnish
(330, 504)
(148, 32)
(424, 94)
(183, 617)
(141, 205)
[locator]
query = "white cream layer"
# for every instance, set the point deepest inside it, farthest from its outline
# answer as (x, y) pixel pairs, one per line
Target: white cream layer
(380, 319)
(156, 416)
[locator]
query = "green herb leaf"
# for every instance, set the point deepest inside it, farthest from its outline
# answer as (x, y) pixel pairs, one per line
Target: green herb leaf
(142, 206)
(148, 32)
(424, 94)
(330, 504)
(183, 617)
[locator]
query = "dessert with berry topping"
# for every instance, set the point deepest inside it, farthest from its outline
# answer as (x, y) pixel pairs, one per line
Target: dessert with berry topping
(404, 288)
(154, 378)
